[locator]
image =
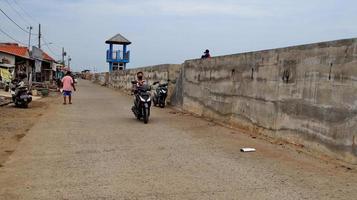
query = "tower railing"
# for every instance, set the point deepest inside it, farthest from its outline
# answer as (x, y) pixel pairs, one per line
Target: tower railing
(118, 56)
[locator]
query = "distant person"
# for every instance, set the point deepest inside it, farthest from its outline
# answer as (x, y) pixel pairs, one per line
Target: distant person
(68, 85)
(206, 54)
(59, 75)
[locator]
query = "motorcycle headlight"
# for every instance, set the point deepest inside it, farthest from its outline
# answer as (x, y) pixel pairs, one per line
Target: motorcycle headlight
(163, 91)
(149, 99)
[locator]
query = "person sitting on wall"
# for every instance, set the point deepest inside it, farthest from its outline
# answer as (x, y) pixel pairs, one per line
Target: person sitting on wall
(206, 54)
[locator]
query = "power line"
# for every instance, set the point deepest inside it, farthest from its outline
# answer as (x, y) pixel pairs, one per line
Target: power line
(46, 44)
(34, 40)
(15, 22)
(33, 19)
(17, 12)
(11, 37)
(49, 48)
(58, 47)
(53, 53)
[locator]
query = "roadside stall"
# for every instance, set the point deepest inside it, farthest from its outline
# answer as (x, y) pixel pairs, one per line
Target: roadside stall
(6, 74)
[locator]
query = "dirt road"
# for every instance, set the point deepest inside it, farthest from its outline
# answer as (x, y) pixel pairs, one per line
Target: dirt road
(16, 122)
(96, 149)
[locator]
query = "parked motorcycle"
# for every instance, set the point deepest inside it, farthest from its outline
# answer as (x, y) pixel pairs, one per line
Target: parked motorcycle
(20, 94)
(142, 102)
(160, 94)
(7, 86)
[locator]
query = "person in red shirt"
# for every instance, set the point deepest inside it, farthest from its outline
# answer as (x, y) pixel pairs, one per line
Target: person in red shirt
(68, 85)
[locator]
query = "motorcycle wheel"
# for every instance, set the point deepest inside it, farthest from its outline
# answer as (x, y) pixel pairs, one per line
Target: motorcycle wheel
(146, 115)
(162, 103)
(17, 104)
(136, 113)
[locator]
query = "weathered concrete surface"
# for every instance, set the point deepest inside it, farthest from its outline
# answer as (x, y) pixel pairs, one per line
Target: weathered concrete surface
(122, 79)
(101, 78)
(95, 149)
(306, 94)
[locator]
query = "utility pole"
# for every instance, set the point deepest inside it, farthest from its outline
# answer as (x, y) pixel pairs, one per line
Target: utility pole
(30, 37)
(63, 55)
(69, 62)
(39, 36)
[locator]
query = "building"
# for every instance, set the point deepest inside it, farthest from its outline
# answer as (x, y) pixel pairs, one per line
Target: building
(37, 64)
(15, 58)
(44, 65)
(116, 57)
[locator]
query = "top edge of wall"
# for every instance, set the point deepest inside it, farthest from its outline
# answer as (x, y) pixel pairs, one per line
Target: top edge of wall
(294, 47)
(151, 66)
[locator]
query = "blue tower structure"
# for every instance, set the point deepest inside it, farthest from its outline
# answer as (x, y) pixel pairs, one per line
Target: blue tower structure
(118, 56)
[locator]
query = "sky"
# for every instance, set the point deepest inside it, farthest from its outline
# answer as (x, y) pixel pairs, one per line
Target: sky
(172, 31)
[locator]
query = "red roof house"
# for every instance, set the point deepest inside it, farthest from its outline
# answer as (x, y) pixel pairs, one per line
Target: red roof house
(47, 57)
(15, 49)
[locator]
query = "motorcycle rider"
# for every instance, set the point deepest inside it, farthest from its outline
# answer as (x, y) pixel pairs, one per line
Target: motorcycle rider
(20, 81)
(139, 80)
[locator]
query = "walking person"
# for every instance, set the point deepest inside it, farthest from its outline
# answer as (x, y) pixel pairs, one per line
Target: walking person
(68, 85)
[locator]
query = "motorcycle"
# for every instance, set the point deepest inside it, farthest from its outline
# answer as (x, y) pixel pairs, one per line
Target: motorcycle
(21, 96)
(160, 94)
(142, 102)
(7, 86)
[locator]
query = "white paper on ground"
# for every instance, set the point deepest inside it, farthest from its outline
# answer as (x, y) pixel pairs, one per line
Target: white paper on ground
(247, 150)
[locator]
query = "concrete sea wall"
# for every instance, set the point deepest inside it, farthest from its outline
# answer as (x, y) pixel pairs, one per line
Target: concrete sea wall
(303, 94)
(121, 80)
